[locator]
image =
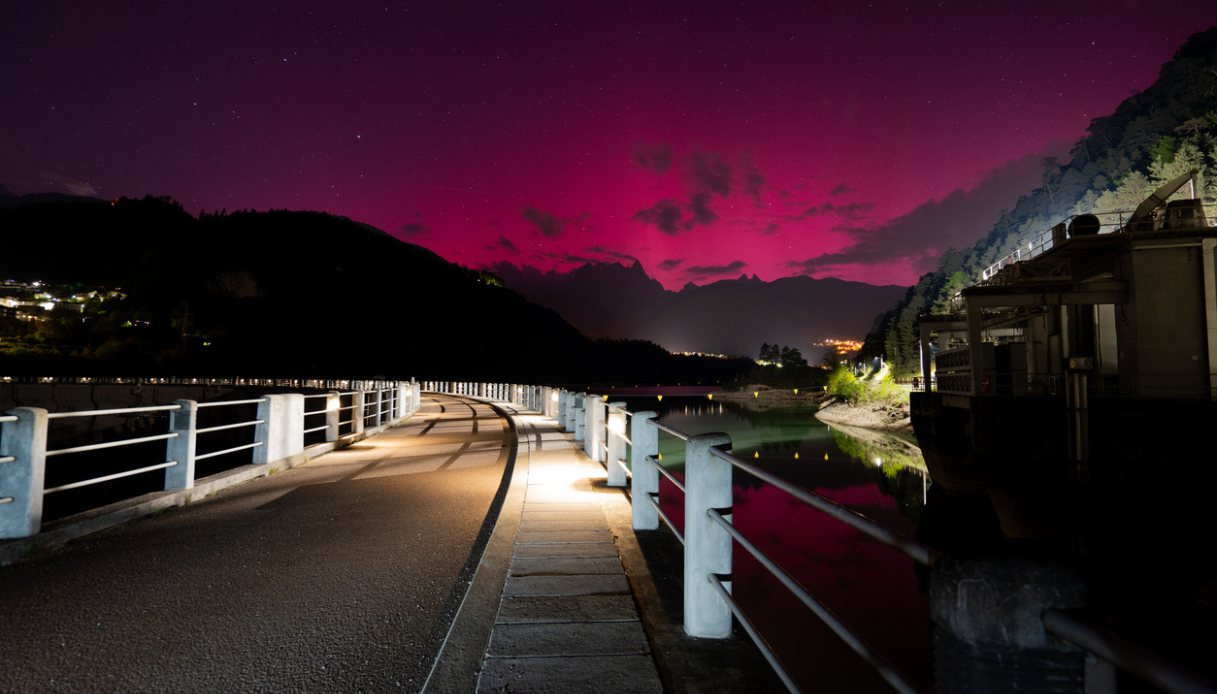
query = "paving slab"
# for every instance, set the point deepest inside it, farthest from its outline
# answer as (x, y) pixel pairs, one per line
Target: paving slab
(595, 584)
(525, 609)
(563, 536)
(536, 526)
(571, 549)
(570, 514)
(568, 639)
(586, 675)
(568, 566)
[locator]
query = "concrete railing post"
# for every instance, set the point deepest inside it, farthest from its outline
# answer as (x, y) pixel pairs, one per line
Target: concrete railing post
(356, 412)
(578, 414)
(282, 429)
(644, 477)
(707, 544)
(615, 444)
(595, 428)
(184, 423)
(418, 397)
(333, 415)
(563, 404)
(23, 478)
(402, 408)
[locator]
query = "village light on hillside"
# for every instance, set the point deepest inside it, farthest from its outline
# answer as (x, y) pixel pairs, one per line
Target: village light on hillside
(756, 394)
(660, 398)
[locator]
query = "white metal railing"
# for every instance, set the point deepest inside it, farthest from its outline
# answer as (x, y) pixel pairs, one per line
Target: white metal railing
(277, 432)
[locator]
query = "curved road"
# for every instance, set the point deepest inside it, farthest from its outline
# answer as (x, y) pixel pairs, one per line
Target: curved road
(341, 574)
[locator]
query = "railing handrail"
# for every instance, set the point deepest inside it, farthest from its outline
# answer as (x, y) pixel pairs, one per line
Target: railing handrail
(918, 552)
(112, 411)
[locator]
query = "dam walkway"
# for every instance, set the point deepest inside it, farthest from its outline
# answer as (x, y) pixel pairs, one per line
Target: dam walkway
(351, 572)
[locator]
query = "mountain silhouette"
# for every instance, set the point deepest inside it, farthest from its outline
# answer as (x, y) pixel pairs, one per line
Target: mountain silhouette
(285, 293)
(725, 317)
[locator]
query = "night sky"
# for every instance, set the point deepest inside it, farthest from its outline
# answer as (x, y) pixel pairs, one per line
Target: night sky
(707, 140)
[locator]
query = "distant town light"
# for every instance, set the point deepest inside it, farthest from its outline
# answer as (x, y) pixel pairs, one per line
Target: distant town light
(660, 398)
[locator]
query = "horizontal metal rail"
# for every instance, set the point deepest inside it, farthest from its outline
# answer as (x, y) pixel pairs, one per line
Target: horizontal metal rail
(117, 410)
(6, 500)
(111, 444)
(224, 427)
(226, 451)
(223, 403)
(749, 627)
(348, 407)
(826, 615)
(320, 428)
(663, 471)
(675, 432)
(1141, 662)
(317, 395)
(107, 478)
(654, 499)
(626, 468)
(915, 550)
(7, 418)
(7, 459)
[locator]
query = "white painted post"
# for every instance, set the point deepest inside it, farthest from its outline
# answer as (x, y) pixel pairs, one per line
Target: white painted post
(356, 412)
(418, 397)
(563, 405)
(615, 444)
(401, 409)
(282, 429)
(23, 478)
(595, 429)
(579, 415)
(183, 422)
(333, 401)
(707, 545)
(644, 476)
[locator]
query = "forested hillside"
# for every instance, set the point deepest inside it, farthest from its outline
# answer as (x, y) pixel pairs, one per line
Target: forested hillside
(1151, 137)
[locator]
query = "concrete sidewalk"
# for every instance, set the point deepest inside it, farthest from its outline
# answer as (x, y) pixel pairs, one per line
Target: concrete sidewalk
(566, 619)
(568, 597)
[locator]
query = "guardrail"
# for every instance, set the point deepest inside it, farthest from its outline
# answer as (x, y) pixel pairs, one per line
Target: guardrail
(708, 604)
(276, 432)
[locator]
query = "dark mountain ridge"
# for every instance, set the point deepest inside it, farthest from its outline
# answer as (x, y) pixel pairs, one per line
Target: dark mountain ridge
(289, 294)
(728, 316)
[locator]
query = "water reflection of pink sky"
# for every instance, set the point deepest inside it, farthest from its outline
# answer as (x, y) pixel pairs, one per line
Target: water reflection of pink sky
(871, 587)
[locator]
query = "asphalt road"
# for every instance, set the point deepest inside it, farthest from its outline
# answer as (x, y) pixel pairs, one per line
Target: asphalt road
(340, 575)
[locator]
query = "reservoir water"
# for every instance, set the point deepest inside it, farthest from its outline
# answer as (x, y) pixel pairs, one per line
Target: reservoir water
(874, 589)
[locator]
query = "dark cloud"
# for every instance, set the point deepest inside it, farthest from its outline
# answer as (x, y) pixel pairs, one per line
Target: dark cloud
(664, 215)
(753, 180)
(656, 157)
(607, 252)
(709, 271)
(850, 211)
(699, 211)
(920, 237)
(710, 174)
(841, 189)
(503, 244)
(415, 228)
(770, 229)
(671, 263)
(549, 225)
